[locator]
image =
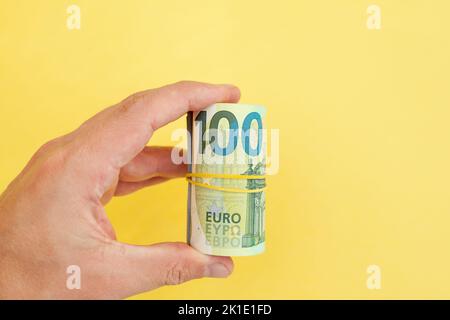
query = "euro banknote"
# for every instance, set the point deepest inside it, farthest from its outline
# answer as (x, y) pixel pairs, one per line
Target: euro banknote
(226, 191)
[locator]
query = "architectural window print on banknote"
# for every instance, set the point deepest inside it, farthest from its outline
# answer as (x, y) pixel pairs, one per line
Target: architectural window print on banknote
(226, 205)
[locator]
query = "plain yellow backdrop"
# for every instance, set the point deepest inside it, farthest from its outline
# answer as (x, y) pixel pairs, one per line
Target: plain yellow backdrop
(363, 118)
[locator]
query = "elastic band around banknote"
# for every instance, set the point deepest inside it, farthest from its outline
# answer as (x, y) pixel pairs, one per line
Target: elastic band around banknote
(189, 177)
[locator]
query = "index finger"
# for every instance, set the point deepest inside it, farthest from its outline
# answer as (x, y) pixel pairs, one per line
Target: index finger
(118, 133)
(168, 103)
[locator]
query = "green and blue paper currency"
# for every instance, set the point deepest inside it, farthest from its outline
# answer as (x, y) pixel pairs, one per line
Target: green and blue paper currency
(226, 198)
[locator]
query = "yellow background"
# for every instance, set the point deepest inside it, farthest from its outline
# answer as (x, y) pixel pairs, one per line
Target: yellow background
(363, 118)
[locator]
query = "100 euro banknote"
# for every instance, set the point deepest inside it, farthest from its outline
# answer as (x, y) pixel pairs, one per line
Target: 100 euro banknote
(226, 197)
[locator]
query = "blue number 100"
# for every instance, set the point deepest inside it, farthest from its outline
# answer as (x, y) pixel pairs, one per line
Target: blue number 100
(233, 129)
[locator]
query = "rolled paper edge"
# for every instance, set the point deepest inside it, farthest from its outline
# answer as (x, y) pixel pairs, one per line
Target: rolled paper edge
(239, 252)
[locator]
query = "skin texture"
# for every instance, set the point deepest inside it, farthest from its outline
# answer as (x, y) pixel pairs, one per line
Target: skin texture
(52, 214)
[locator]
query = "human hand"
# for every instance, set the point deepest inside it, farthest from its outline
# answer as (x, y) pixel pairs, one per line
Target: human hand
(52, 214)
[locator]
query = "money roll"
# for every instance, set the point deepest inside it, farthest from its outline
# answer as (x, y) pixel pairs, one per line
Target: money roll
(226, 175)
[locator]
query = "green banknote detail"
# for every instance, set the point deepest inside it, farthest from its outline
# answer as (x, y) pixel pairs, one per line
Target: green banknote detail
(227, 139)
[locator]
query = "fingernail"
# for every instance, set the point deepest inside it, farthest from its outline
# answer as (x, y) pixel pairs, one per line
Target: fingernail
(217, 270)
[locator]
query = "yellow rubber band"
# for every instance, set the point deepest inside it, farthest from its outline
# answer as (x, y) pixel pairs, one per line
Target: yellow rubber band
(204, 185)
(224, 176)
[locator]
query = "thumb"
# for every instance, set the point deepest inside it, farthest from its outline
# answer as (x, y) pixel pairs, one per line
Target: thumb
(144, 268)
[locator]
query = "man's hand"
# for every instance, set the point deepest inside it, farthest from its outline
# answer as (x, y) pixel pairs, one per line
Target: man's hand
(52, 215)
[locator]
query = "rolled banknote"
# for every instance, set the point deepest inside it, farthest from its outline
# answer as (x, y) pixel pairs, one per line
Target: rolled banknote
(226, 198)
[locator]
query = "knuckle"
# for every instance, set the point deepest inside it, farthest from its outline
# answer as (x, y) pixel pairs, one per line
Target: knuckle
(131, 101)
(53, 160)
(48, 156)
(46, 148)
(46, 170)
(177, 273)
(183, 83)
(182, 86)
